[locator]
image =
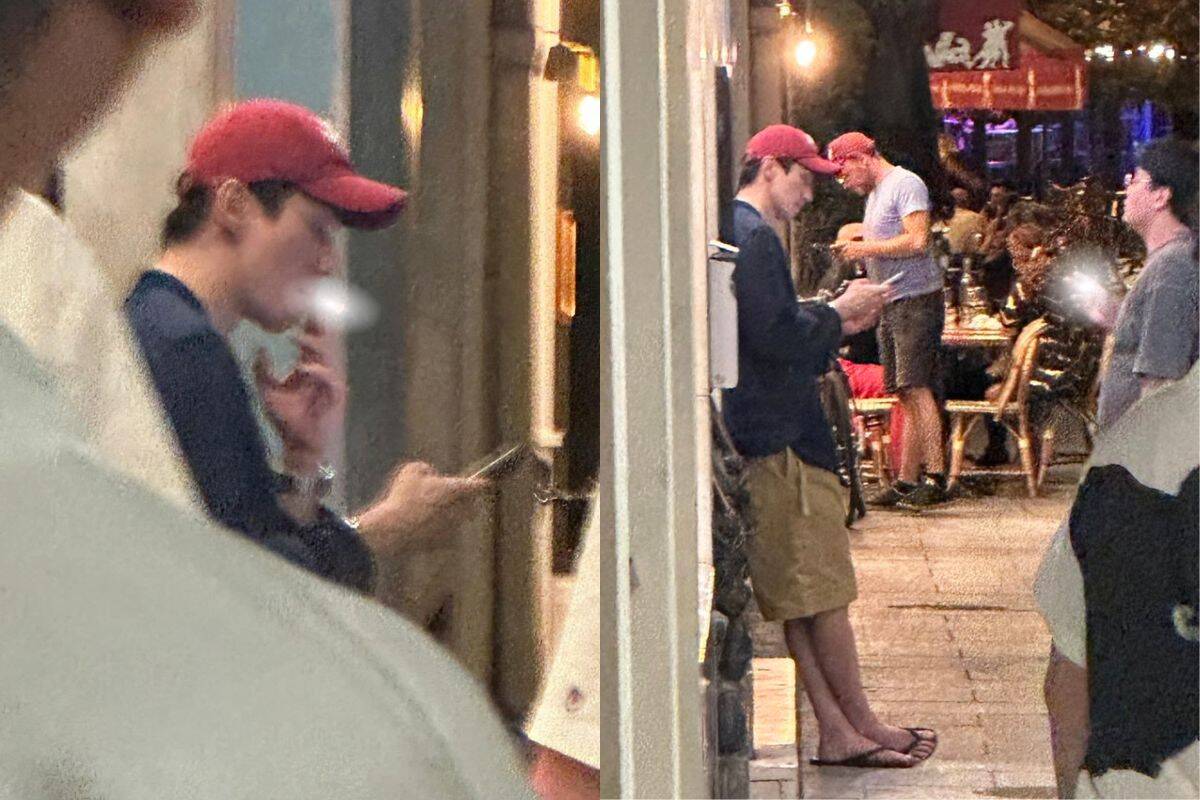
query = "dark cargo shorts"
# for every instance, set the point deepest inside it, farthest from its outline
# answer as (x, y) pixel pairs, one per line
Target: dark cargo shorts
(910, 342)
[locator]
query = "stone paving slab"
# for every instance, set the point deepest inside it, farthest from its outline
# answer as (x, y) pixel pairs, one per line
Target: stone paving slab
(949, 637)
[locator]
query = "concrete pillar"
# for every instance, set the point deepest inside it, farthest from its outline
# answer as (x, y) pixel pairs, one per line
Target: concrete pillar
(654, 157)
(521, 241)
(418, 109)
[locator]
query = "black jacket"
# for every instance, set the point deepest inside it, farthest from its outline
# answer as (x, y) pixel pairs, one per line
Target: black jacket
(783, 347)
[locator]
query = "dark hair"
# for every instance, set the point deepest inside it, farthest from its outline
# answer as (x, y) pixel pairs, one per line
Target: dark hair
(1172, 163)
(195, 204)
(751, 165)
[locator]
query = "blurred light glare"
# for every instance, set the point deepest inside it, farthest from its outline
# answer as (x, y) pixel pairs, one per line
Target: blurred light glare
(339, 305)
(589, 114)
(1157, 51)
(806, 53)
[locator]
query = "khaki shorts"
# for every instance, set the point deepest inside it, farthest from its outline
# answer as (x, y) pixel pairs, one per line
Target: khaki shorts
(800, 552)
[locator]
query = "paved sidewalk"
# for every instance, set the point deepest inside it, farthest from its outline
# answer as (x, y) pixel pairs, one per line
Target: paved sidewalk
(948, 638)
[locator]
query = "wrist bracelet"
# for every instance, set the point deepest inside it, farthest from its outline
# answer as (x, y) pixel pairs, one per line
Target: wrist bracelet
(317, 485)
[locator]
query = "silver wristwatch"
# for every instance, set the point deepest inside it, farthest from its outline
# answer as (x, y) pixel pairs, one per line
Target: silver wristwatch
(317, 485)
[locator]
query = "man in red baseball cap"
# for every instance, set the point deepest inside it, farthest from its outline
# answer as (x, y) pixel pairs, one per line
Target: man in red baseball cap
(799, 557)
(149, 652)
(895, 248)
(266, 187)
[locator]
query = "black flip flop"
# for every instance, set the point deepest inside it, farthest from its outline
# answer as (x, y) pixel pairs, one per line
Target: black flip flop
(864, 760)
(917, 739)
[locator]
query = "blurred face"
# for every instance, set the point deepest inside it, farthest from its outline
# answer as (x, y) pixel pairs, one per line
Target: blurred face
(1143, 200)
(71, 73)
(281, 258)
(791, 189)
(856, 174)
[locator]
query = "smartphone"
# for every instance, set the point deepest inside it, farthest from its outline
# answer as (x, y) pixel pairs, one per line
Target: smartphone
(499, 463)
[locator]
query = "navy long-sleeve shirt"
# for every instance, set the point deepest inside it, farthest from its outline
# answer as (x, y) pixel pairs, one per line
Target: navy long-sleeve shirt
(206, 399)
(783, 347)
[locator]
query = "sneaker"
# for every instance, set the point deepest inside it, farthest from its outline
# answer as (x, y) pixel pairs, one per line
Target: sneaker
(890, 496)
(925, 495)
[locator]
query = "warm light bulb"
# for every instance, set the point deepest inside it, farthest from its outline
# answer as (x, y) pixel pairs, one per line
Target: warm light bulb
(589, 114)
(1156, 52)
(806, 53)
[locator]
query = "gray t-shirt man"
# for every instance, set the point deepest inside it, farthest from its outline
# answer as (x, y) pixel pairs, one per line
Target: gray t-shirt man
(899, 194)
(150, 654)
(1157, 332)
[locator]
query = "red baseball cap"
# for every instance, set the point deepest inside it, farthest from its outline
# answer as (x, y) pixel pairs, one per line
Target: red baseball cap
(850, 144)
(272, 140)
(785, 141)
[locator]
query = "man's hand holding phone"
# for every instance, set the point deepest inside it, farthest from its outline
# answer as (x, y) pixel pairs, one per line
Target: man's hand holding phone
(420, 507)
(860, 305)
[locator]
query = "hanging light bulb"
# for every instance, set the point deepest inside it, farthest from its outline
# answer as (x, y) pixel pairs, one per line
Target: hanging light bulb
(589, 114)
(806, 48)
(1157, 51)
(806, 52)
(1170, 54)
(785, 8)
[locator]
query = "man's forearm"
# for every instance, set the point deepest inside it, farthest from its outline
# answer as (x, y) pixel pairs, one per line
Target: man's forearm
(1066, 693)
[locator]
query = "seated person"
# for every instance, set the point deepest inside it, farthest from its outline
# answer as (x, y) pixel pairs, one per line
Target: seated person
(1032, 261)
(971, 376)
(994, 256)
(966, 229)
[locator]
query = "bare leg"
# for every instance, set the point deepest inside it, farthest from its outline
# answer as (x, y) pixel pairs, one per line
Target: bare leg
(1066, 693)
(932, 448)
(839, 738)
(910, 456)
(832, 638)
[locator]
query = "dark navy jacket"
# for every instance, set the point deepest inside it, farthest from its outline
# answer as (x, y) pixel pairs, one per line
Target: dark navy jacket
(783, 347)
(207, 401)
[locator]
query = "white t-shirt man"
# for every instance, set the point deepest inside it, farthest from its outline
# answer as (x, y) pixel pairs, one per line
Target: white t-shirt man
(54, 298)
(149, 653)
(1157, 441)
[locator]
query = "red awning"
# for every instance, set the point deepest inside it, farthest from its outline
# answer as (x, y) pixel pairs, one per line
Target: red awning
(1052, 77)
